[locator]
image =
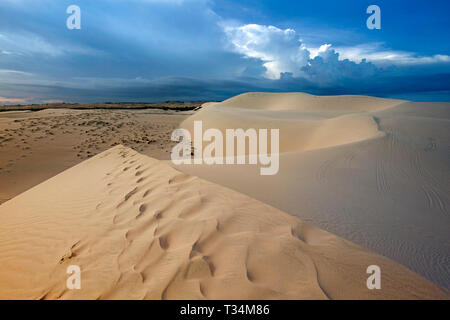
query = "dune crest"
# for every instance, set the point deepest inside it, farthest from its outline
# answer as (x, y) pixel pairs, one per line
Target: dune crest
(303, 102)
(140, 229)
(297, 132)
(373, 171)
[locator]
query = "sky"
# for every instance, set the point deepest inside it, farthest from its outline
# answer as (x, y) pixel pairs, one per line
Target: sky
(191, 50)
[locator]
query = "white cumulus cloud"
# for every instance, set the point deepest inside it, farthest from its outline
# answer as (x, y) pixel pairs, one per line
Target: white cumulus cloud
(279, 50)
(282, 51)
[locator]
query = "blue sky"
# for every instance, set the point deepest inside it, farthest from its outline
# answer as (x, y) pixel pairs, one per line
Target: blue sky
(156, 50)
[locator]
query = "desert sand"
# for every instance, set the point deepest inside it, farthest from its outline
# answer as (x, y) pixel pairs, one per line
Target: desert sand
(362, 181)
(140, 229)
(35, 146)
(373, 171)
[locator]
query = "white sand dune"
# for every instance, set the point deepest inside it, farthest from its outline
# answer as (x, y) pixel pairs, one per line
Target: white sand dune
(307, 102)
(141, 229)
(373, 171)
(301, 130)
(308, 122)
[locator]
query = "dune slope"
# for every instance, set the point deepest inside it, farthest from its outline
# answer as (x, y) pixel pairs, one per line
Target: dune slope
(300, 130)
(140, 229)
(373, 171)
(303, 101)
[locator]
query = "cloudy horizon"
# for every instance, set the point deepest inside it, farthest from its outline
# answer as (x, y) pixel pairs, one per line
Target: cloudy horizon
(157, 50)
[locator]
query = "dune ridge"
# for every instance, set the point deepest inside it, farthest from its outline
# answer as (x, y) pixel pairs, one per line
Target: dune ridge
(373, 171)
(35, 146)
(304, 101)
(140, 229)
(300, 131)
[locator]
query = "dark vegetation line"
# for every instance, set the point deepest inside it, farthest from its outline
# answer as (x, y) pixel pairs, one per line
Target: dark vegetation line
(169, 105)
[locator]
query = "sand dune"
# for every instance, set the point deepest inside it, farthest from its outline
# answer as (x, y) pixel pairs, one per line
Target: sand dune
(300, 131)
(308, 102)
(308, 122)
(141, 229)
(373, 171)
(35, 146)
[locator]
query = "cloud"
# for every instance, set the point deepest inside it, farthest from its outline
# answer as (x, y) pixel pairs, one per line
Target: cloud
(14, 72)
(284, 55)
(326, 68)
(152, 50)
(28, 43)
(279, 50)
(86, 90)
(123, 90)
(378, 54)
(4, 100)
(314, 52)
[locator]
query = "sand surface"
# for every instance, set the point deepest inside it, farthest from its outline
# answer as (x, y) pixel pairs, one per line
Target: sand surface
(35, 146)
(373, 171)
(141, 229)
